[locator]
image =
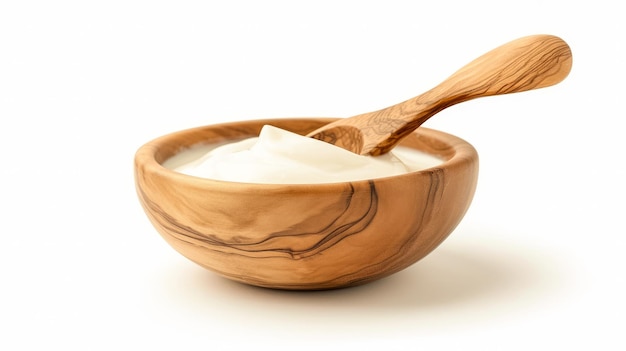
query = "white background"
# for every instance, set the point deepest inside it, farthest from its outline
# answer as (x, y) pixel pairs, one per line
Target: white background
(537, 263)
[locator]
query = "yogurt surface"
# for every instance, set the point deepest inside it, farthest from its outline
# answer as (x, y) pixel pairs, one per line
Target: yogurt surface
(278, 156)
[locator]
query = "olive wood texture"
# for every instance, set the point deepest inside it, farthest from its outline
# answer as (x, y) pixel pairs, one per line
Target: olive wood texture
(305, 236)
(527, 63)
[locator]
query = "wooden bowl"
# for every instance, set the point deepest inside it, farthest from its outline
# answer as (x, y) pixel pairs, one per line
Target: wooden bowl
(305, 236)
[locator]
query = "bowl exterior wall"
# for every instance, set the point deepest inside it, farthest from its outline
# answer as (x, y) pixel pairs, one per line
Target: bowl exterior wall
(309, 237)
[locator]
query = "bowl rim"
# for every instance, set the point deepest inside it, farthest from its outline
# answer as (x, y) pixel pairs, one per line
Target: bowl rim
(146, 158)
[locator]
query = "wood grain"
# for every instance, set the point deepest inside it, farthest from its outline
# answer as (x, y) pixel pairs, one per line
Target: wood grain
(305, 237)
(527, 63)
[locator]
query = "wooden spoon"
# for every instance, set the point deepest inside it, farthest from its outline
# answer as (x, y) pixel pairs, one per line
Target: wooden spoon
(527, 63)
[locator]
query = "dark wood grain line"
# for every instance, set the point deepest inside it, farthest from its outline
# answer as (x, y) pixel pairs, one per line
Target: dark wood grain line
(331, 234)
(397, 261)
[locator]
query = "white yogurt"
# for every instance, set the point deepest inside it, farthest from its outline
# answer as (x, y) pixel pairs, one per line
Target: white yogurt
(277, 156)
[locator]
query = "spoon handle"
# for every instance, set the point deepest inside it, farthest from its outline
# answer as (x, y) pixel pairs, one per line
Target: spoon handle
(523, 64)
